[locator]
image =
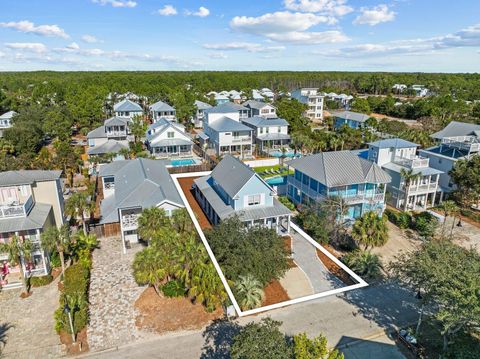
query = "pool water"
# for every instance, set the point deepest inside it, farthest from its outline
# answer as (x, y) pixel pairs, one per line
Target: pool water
(184, 162)
(287, 154)
(277, 180)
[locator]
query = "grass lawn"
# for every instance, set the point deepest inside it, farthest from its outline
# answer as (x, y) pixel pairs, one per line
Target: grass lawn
(262, 169)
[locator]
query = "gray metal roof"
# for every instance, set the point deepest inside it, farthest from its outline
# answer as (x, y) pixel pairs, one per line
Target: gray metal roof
(259, 121)
(256, 104)
(227, 107)
(273, 136)
(162, 121)
(35, 219)
(340, 168)
(232, 174)
(226, 124)
(116, 121)
(99, 132)
(203, 136)
(170, 125)
(425, 171)
(138, 183)
(202, 105)
(161, 106)
(111, 146)
(393, 142)
(12, 178)
(8, 115)
(456, 128)
(350, 115)
(127, 106)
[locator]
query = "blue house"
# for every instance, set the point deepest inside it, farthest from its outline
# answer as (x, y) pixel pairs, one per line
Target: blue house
(359, 182)
(234, 189)
(354, 120)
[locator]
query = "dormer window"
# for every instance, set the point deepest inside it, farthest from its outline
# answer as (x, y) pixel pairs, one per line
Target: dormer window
(254, 200)
(171, 134)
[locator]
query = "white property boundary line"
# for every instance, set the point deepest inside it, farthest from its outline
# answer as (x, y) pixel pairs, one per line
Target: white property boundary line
(361, 283)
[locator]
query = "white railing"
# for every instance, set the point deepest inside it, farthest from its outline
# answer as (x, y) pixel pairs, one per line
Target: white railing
(467, 143)
(428, 187)
(16, 210)
(416, 162)
(241, 139)
(116, 133)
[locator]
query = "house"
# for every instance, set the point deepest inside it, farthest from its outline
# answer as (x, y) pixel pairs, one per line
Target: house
(311, 98)
(351, 119)
(257, 96)
(220, 99)
(160, 110)
(6, 121)
(127, 108)
(420, 90)
(224, 131)
(395, 155)
(359, 182)
(399, 88)
(109, 138)
(199, 115)
(234, 189)
(258, 108)
(268, 133)
(128, 188)
(167, 139)
(269, 94)
(458, 140)
(30, 202)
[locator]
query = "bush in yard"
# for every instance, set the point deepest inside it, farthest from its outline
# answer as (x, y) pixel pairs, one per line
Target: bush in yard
(425, 224)
(363, 263)
(286, 202)
(173, 289)
(402, 220)
(41, 281)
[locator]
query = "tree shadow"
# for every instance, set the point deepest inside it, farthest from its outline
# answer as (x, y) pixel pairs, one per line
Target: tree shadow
(218, 339)
(352, 347)
(386, 303)
(4, 328)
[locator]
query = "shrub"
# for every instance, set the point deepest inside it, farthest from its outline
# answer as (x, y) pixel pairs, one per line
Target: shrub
(173, 289)
(286, 202)
(55, 260)
(400, 219)
(425, 224)
(41, 281)
(363, 263)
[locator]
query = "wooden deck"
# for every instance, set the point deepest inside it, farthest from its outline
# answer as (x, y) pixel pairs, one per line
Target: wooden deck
(186, 185)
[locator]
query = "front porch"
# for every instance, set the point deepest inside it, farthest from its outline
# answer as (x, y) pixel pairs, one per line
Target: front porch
(267, 145)
(236, 150)
(172, 151)
(281, 224)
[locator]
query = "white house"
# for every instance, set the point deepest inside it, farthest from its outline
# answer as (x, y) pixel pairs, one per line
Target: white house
(127, 108)
(6, 121)
(268, 133)
(161, 109)
(166, 139)
(311, 98)
(258, 108)
(199, 115)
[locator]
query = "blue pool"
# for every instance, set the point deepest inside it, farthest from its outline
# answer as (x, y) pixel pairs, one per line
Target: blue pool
(289, 154)
(277, 180)
(184, 162)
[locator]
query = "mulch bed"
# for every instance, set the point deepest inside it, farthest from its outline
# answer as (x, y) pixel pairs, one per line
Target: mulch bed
(162, 314)
(334, 268)
(274, 293)
(186, 185)
(81, 346)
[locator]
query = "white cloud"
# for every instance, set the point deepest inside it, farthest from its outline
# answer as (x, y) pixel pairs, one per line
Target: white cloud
(201, 12)
(2, 54)
(167, 10)
(374, 16)
(214, 55)
(248, 46)
(116, 3)
(29, 27)
(28, 46)
(466, 37)
(329, 7)
(73, 46)
(321, 37)
(90, 39)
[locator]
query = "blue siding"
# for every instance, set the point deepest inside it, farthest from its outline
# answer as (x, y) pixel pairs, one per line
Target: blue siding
(253, 186)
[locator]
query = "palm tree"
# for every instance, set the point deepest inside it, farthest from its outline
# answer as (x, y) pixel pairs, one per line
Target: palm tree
(149, 269)
(408, 177)
(370, 230)
(77, 205)
(449, 208)
(138, 127)
(283, 151)
(249, 291)
(59, 240)
(189, 254)
(364, 263)
(181, 221)
(150, 221)
(19, 251)
(206, 286)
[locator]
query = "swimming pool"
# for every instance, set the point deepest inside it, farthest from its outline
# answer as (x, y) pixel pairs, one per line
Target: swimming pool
(289, 154)
(184, 162)
(277, 180)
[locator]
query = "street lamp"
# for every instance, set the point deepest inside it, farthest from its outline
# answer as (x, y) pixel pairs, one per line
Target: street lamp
(66, 309)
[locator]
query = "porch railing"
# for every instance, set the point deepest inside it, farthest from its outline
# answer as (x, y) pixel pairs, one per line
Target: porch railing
(16, 210)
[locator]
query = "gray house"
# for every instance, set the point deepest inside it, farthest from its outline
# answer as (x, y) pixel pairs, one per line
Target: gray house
(351, 119)
(200, 114)
(127, 108)
(268, 133)
(234, 189)
(161, 109)
(113, 136)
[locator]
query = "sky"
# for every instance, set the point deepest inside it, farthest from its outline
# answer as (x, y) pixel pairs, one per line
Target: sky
(245, 35)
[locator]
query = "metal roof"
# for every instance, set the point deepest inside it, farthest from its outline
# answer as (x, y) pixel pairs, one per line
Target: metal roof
(259, 121)
(456, 128)
(180, 129)
(8, 115)
(162, 121)
(138, 183)
(127, 106)
(425, 171)
(111, 146)
(340, 168)
(225, 124)
(12, 178)
(393, 142)
(203, 136)
(202, 105)
(35, 219)
(161, 106)
(353, 116)
(232, 174)
(116, 121)
(227, 107)
(98, 132)
(256, 104)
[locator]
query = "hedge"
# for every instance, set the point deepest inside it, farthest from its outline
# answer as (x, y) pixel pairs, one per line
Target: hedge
(41, 281)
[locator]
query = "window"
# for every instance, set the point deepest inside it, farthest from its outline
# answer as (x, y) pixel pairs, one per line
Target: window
(254, 200)
(170, 134)
(236, 134)
(279, 129)
(266, 130)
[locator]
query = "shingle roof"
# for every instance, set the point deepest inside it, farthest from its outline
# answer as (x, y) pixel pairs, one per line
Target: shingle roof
(349, 115)
(259, 121)
(456, 128)
(161, 106)
(35, 219)
(111, 146)
(393, 142)
(138, 183)
(202, 105)
(232, 174)
(11, 178)
(224, 124)
(127, 106)
(116, 121)
(340, 168)
(227, 107)
(8, 115)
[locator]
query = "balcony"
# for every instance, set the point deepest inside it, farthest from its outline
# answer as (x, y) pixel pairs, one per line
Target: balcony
(423, 188)
(116, 133)
(241, 139)
(130, 221)
(415, 162)
(16, 209)
(465, 143)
